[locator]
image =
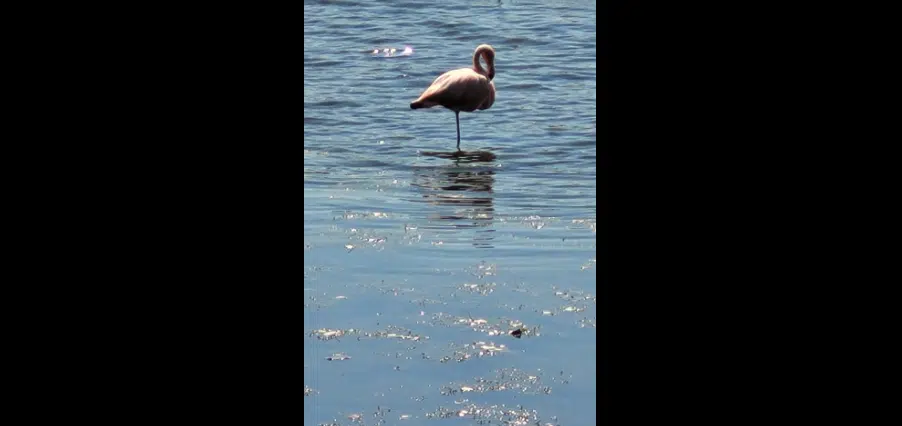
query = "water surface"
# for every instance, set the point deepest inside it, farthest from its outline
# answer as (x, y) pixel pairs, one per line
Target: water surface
(418, 265)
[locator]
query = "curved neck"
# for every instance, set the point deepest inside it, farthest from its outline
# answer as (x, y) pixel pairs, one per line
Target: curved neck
(478, 67)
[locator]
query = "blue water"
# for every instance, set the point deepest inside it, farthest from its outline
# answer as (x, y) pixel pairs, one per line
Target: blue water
(417, 264)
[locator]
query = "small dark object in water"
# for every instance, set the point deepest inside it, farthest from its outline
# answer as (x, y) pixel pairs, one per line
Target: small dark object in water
(517, 333)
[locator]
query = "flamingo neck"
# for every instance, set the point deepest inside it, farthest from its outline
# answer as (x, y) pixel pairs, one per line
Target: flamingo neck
(478, 67)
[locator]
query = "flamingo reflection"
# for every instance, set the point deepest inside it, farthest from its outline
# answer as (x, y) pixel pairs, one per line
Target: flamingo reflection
(462, 199)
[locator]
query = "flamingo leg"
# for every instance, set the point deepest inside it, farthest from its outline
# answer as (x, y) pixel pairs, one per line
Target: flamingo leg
(457, 118)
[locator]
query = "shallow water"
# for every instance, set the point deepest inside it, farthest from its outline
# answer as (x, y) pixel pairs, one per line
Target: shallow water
(418, 264)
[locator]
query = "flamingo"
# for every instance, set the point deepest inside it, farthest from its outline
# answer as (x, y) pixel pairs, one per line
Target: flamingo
(464, 89)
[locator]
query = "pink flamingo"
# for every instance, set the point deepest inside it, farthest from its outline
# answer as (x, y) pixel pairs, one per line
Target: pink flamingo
(464, 89)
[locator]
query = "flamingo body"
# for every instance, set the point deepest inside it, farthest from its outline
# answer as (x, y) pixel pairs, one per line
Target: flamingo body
(464, 89)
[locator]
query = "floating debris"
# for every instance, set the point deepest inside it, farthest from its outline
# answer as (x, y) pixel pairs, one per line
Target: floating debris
(308, 391)
(517, 333)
